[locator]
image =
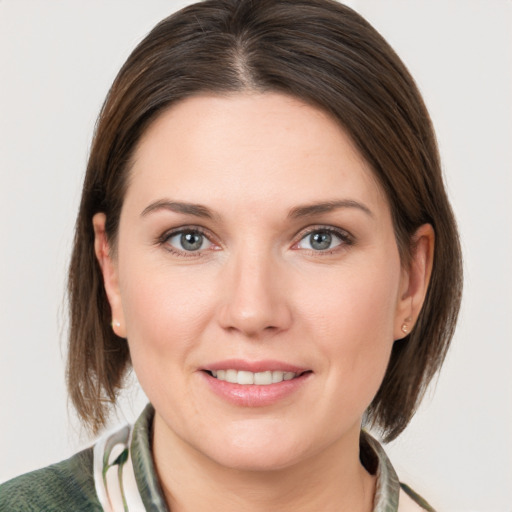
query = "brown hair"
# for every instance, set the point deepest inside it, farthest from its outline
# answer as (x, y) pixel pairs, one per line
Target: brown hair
(327, 55)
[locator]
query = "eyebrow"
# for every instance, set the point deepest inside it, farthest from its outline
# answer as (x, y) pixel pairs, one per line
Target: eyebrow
(325, 207)
(198, 210)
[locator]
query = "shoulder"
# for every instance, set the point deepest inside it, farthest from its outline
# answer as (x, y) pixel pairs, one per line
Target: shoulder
(67, 485)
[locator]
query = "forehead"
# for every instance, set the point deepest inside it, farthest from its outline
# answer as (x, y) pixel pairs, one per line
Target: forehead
(248, 148)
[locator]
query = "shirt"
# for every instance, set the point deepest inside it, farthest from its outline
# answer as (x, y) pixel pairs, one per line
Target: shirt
(118, 474)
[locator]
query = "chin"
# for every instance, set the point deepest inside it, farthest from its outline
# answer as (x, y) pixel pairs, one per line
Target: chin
(256, 461)
(260, 450)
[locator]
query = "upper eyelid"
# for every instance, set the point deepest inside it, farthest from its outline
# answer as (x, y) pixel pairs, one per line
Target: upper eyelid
(343, 233)
(184, 229)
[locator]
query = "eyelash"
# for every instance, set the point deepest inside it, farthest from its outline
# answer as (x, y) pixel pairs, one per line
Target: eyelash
(163, 240)
(346, 240)
(345, 237)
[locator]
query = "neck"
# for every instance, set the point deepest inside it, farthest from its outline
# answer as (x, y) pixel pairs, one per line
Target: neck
(333, 480)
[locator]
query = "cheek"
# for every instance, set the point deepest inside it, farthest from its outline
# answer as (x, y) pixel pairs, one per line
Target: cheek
(353, 322)
(165, 313)
(360, 302)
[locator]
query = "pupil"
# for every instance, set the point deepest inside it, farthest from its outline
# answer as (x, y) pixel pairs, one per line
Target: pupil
(191, 241)
(321, 240)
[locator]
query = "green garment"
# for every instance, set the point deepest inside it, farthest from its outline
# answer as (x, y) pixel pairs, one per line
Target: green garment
(70, 484)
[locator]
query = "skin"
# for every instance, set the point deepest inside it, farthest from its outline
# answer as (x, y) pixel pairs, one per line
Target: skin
(257, 289)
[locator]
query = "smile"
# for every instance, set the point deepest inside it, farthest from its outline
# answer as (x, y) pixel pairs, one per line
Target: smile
(243, 377)
(260, 383)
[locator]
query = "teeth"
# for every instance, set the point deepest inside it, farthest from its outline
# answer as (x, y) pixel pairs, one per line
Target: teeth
(231, 376)
(277, 377)
(259, 378)
(263, 378)
(243, 377)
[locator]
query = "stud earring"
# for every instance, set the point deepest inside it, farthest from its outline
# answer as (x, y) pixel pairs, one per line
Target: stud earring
(115, 323)
(405, 325)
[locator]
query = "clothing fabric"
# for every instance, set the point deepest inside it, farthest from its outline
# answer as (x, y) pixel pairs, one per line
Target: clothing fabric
(117, 475)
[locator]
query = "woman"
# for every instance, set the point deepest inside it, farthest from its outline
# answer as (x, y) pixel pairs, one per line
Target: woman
(265, 237)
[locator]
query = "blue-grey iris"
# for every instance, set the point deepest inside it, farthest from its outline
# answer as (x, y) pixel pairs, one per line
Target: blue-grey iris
(320, 240)
(191, 241)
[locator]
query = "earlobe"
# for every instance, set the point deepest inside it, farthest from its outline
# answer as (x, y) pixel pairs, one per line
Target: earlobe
(110, 273)
(415, 281)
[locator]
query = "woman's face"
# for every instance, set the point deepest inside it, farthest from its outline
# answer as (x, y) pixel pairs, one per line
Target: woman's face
(257, 279)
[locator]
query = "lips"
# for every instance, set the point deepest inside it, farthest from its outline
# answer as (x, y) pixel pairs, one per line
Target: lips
(254, 366)
(254, 384)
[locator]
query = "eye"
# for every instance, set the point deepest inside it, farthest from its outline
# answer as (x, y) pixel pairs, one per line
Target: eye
(189, 240)
(322, 240)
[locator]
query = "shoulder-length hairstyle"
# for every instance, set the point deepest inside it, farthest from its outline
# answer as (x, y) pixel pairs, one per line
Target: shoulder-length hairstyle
(325, 54)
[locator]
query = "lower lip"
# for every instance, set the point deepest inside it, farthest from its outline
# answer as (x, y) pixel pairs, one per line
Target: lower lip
(252, 395)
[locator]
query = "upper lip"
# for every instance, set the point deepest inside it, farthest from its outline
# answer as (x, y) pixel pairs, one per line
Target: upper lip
(254, 366)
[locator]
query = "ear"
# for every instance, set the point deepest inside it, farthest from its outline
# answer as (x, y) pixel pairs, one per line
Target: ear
(110, 274)
(414, 281)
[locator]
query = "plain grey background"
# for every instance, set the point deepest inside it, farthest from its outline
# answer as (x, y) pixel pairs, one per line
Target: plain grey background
(57, 61)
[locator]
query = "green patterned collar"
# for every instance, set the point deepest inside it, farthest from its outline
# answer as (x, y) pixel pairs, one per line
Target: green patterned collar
(145, 473)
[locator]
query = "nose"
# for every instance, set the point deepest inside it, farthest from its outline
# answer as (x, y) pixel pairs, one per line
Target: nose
(254, 295)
